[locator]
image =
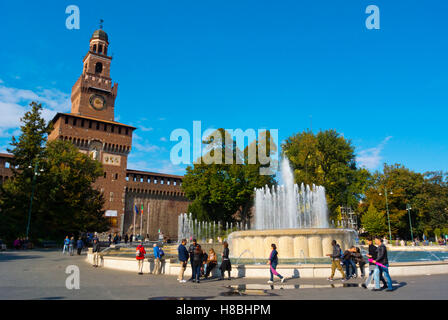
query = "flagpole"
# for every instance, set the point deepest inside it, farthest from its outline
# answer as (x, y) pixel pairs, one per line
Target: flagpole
(133, 231)
(147, 221)
(141, 221)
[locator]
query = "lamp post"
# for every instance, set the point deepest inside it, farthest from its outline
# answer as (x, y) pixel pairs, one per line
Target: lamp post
(408, 208)
(387, 211)
(35, 174)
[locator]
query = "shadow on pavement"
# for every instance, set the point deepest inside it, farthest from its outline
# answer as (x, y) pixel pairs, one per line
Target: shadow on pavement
(10, 257)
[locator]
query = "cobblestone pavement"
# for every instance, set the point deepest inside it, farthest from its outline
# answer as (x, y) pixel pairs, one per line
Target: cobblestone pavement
(40, 274)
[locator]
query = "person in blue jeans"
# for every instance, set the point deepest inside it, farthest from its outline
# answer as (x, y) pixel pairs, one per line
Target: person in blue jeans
(350, 266)
(197, 263)
(383, 269)
(273, 262)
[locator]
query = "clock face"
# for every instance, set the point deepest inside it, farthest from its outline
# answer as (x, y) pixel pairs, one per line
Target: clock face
(97, 102)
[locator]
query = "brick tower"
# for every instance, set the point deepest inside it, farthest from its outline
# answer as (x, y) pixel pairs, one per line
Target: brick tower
(91, 127)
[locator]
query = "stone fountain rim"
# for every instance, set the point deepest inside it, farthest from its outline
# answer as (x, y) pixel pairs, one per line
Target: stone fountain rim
(290, 232)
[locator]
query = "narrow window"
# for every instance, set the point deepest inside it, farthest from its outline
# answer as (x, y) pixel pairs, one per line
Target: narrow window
(98, 67)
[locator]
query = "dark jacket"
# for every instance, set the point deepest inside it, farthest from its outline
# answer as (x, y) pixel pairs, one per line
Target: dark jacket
(96, 247)
(347, 255)
(225, 254)
(197, 257)
(191, 251)
(382, 255)
(204, 257)
(183, 253)
(358, 258)
(274, 256)
(80, 244)
(336, 255)
(372, 252)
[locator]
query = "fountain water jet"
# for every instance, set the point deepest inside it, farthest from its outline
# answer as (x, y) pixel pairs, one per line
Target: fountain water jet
(295, 219)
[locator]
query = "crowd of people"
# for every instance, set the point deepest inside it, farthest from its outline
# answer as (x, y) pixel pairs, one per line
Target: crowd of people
(203, 262)
(352, 258)
(22, 244)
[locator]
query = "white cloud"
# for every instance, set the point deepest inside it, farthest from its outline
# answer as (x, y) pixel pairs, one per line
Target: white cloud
(145, 129)
(163, 139)
(371, 158)
(14, 103)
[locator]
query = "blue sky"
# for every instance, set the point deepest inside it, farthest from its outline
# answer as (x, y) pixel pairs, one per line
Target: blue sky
(243, 64)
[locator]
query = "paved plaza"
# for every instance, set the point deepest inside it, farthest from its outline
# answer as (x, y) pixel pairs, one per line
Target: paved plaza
(40, 274)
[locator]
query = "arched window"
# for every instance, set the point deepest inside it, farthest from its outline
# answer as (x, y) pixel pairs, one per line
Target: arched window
(100, 48)
(98, 67)
(105, 50)
(94, 48)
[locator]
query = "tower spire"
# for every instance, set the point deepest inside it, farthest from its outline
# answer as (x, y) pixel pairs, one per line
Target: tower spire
(101, 24)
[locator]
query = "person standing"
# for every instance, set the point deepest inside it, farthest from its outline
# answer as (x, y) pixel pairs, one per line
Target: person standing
(273, 262)
(204, 263)
(183, 259)
(197, 263)
(131, 238)
(225, 263)
(372, 255)
(79, 245)
(157, 263)
(116, 239)
(66, 244)
(336, 260)
(191, 253)
(140, 256)
(71, 246)
(96, 252)
(212, 261)
(382, 266)
(126, 238)
(110, 238)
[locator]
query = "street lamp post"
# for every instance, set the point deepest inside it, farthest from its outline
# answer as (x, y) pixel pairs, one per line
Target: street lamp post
(408, 208)
(387, 211)
(35, 174)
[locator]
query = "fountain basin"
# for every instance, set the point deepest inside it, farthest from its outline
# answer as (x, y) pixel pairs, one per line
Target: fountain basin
(291, 243)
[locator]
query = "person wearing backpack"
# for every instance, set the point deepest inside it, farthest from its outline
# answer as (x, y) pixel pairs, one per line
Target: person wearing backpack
(336, 260)
(66, 244)
(191, 254)
(157, 263)
(79, 245)
(140, 256)
(197, 263)
(183, 258)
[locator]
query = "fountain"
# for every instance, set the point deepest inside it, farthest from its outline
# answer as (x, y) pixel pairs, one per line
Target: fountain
(294, 218)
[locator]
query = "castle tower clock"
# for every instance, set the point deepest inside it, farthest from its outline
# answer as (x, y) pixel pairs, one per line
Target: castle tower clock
(93, 95)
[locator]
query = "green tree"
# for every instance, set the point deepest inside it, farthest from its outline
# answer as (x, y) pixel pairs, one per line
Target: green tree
(65, 200)
(373, 221)
(327, 159)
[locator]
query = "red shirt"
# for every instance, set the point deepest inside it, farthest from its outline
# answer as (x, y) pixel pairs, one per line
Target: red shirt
(142, 252)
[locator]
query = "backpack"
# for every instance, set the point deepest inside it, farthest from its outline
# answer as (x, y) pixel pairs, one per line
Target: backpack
(161, 253)
(341, 253)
